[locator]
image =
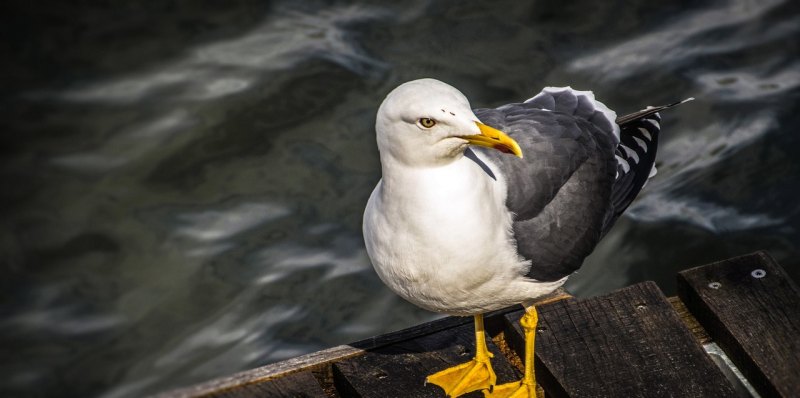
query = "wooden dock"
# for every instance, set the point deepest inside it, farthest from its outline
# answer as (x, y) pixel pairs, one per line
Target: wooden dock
(732, 331)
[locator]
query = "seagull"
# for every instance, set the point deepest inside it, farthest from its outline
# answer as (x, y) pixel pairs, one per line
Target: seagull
(480, 209)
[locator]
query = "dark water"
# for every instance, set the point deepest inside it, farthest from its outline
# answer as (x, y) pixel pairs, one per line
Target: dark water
(183, 183)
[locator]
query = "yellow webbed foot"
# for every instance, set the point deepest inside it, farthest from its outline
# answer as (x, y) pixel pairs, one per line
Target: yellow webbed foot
(474, 375)
(517, 389)
(527, 387)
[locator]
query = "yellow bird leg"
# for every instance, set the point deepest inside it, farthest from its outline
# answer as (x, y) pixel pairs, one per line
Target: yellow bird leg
(525, 388)
(474, 375)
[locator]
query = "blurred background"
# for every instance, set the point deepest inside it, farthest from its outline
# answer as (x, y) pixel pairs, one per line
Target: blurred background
(183, 181)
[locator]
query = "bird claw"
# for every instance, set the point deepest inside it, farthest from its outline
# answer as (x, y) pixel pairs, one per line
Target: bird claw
(518, 389)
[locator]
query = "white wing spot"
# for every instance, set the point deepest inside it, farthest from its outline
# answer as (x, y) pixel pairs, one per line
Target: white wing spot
(630, 153)
(645, 133)
(635, 158)
(641, 143)
(625, 166)
(654, 123)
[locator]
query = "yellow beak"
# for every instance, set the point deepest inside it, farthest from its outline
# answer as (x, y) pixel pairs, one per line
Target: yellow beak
(493, 138)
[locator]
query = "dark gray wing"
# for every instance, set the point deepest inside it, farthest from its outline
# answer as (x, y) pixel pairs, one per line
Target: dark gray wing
(560, 192)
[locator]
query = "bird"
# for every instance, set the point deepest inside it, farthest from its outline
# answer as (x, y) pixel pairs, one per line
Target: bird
(480, 209)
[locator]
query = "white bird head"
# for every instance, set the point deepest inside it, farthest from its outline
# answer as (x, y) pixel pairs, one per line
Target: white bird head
(426, 122)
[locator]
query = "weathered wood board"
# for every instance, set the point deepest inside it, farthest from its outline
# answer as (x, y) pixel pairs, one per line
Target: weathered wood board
(295, 385)
(751, 309)
(400, 369)
(629, 343)
(317, 362)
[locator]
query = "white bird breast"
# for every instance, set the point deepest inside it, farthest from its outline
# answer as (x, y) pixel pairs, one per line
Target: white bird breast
(445, 244)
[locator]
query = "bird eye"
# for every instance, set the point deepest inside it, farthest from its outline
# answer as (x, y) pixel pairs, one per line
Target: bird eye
(427, 123)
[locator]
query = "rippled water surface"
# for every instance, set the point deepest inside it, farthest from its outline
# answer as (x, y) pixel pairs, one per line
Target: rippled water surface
(183, 183)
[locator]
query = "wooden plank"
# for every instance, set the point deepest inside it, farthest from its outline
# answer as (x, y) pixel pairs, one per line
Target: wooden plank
(320, 362)
(630, 343)
(400, 369)
(295, 385)
(317, 362)
(751, 309)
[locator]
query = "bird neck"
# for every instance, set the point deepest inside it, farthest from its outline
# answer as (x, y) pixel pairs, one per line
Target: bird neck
(400, 177)
(431, 190)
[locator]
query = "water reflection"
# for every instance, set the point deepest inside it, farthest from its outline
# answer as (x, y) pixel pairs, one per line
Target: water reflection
(285, 39)
(693, 34)
(128, 144)
(214, 225)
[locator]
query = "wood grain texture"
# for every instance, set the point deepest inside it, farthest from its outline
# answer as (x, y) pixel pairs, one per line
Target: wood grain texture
(630, 343)
(319, 363)
(399, 370)
(316, 362)
(751, 309)
(296, 385)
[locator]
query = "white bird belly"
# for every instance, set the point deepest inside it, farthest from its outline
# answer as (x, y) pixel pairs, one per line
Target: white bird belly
(446, 244)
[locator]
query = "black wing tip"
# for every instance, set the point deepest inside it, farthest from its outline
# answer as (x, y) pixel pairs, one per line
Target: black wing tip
(677, 103)
(649, 111)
